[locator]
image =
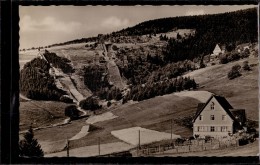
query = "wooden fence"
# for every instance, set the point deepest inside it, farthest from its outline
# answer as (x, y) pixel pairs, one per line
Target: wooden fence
(187, 146)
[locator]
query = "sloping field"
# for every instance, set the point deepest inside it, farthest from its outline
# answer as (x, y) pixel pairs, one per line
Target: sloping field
(93, 150)
(202, 96)
(50, 147)
(241, 92)
(154, 113)
(41, 113)
(131, 135)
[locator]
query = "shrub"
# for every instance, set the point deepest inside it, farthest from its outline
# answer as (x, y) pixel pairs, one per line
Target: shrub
(108, 104)
(246, 66)
(30, 146)
(72, 112)
(234, 72)
(91, 103)
(66, 99)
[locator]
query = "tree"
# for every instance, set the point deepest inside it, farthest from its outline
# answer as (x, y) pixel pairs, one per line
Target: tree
(72, 112)
(234, 72)
(246, 66)
(30, 146)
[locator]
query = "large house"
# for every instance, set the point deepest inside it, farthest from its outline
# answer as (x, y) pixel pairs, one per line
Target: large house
(217, 118)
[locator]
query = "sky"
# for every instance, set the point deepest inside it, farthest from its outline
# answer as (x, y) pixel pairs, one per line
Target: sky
(45, 25)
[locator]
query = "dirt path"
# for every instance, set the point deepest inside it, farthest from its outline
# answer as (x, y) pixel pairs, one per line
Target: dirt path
(100, 118)
(83, 132)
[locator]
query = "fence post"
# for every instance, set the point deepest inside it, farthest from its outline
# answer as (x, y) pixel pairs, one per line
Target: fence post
(99, 146)
(68, 155)
(171, 129)
(159, 148)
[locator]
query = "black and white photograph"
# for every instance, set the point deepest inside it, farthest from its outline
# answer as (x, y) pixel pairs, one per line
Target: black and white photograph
(138, 81)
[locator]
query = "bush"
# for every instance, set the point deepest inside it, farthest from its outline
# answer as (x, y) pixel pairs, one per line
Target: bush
(246, 67)
(234, 72)
(91, 103)
(72, 112)
(108, 104)
(66, 99)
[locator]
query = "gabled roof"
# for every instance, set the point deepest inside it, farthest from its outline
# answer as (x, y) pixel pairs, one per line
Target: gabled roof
(222, 101)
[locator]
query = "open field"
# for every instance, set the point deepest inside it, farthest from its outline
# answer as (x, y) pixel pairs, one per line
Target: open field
(131, 135)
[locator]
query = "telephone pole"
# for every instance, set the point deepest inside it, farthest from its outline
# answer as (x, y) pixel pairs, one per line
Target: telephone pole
(99, 146)
(68, 155)
(171, 129)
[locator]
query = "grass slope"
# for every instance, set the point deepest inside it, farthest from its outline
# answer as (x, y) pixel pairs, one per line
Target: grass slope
(242, 92)
(41, 113)
(154, 113)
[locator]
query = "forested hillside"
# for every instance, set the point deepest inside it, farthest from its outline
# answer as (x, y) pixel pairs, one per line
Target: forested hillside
(230, 29)
(36, 82)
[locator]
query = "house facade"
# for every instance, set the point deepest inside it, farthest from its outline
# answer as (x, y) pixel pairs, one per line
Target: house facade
(214, 118)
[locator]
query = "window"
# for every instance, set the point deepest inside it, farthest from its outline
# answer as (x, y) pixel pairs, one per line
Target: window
(212, 129)
(212, 106)
(224, 117)
(224, 129)
(200, 129)
(212, 117)
(200, 118)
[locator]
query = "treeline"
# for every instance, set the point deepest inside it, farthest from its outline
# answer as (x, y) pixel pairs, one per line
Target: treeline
(58, 62)
(36, 82)
(154, 69)
(110, 94)
(147, 91)
(227, 28)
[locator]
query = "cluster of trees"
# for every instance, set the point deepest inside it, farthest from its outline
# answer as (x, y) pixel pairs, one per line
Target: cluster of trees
(142, 92)
(95, 77)
(90, 103)
(113, 93)
(233, 56)
(163, 37)
(36, 82)
(235, 70)
(58, 62)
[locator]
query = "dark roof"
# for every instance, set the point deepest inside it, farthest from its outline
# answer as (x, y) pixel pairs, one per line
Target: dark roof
(222, 101)
(239, 114)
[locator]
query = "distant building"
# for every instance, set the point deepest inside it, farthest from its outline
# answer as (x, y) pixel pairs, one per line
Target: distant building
(219, 49)
(217, 118)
